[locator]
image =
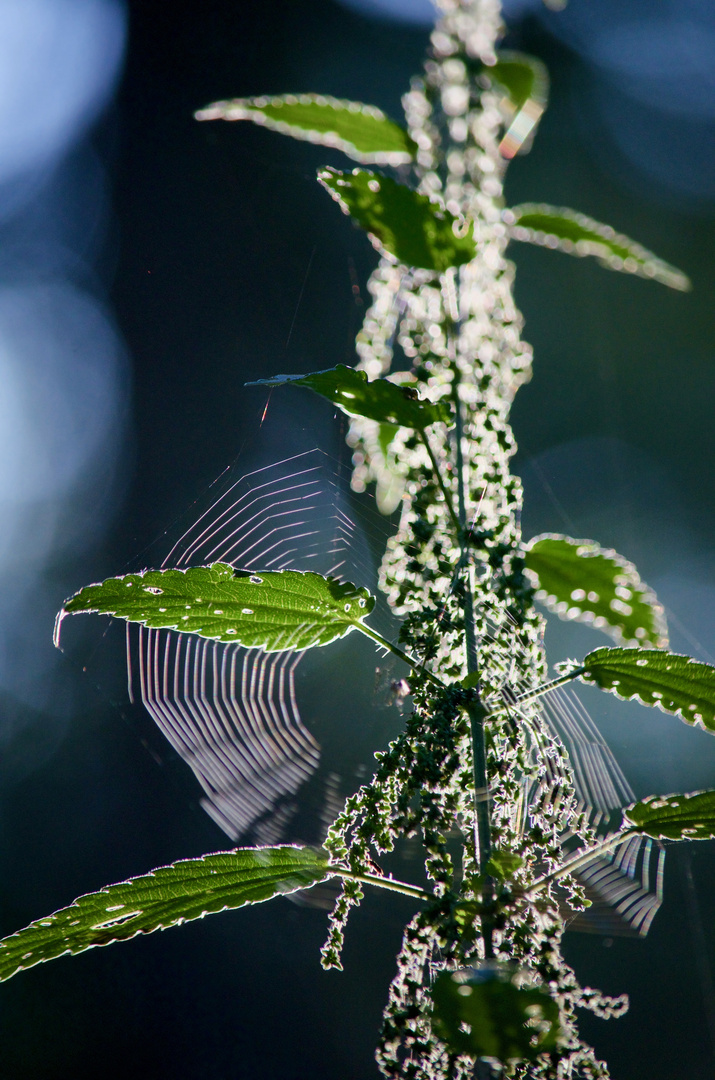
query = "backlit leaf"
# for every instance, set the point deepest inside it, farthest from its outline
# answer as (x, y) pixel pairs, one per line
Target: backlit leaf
(576, 234)
(363, 132)
(401, 222)
(676, 684)
(379, 400)
(186, 890)
(578, 579)
(272, 610)
(502, 865)
(675, 817)
(487, 1011)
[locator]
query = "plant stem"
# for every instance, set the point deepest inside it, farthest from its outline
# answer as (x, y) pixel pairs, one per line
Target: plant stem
(539, 691)
(545, 688)
(476, 710)
(397, 651)
(438, 477)
(582, 858)
(384, 883)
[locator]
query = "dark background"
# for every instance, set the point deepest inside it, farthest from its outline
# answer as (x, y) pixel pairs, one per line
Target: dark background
(226, 262)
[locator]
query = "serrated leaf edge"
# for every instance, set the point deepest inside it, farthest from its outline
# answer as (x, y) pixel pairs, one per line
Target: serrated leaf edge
(651, 266)
(694, 720)
(250, 109)
(599, 622)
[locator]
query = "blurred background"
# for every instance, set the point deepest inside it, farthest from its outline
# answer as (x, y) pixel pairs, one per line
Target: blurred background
(150, 266)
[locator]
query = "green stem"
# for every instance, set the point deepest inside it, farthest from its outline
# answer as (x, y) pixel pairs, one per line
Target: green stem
(438, 477)
(475, 709)
(384, 883)
(582, 858)
(539, 691)
(397, 651)
(545, 688)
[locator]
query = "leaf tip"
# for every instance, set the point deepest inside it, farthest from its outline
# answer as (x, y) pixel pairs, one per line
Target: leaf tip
(210, 112)
(59, 618)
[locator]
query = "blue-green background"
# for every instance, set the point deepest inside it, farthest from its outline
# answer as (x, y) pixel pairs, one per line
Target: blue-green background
(227, 262)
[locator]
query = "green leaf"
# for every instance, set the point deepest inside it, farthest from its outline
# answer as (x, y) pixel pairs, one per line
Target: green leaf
(523, 77)
(675, 817)
(676, 684)
(576, 234)
(271, 610)
(379, 400)
(186, 890)
(526, 82)
(502, 865)
(578, 579)
(488, 1012)
(401, 222)
(363, 132)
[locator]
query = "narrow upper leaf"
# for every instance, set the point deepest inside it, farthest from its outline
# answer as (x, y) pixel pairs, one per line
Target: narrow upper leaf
(578, 579)
(271, 610)
(526, 82)
(172, 894)
(487, 1011)
(363, 132)
(576, 234)
(676, 684)
(675, 817)
(379, 400)
(401, 222)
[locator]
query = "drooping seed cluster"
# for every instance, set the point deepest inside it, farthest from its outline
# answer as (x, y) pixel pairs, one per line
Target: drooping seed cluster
(459, 338)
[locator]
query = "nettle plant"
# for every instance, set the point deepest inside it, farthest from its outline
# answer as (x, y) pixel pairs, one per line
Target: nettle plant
(479, 774)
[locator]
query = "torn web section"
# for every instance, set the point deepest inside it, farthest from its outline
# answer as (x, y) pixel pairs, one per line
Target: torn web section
(625, 887)
(232, 713)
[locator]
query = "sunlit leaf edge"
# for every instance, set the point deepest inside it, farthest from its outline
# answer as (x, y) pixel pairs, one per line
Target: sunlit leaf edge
(400, 151)
(405, 408)
(605, 660)
(613, 250)
(237, 878)
(278, 592)
(465, 245)
(644, 816)
(570, 609)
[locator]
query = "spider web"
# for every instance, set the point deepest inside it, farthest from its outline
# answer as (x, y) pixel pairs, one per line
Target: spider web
(625, 887)
(231, 713)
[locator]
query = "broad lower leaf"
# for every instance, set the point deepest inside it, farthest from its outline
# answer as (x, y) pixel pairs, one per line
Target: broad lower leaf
(675, 817)
(271, 610)
(363, 132)
(576, 234)
(488, 1011)
(379, 400)
(526, 82)
(170, 895)
(401, 222)
(578, 579)
(676, 684)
